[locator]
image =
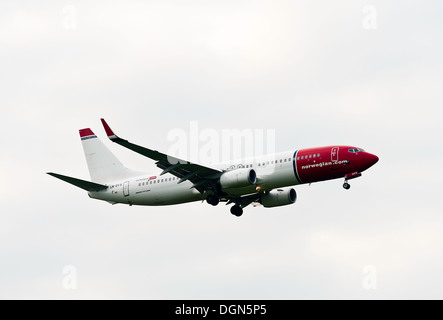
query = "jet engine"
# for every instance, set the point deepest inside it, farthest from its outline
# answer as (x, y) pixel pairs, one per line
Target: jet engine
(238, 178)
(279, 197)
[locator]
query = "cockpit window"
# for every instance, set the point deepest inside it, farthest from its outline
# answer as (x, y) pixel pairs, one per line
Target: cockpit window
(356, 150)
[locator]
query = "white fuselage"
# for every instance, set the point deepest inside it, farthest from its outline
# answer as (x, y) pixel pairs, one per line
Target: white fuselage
(273, 171)
(265, 180)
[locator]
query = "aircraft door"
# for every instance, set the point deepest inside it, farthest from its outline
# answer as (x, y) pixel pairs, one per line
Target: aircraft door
(334, 154)
(126, 189)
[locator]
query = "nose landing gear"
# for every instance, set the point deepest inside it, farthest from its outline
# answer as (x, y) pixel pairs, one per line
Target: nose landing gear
(350, 176)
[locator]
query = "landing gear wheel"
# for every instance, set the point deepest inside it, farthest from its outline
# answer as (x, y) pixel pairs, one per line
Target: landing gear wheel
(346, 185)
(212, 200)
(236, 210)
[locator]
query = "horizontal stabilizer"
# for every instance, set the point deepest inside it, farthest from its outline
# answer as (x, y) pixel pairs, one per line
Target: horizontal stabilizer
(85, 185)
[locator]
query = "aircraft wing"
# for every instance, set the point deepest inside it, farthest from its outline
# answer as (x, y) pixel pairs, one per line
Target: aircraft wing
(202, 177)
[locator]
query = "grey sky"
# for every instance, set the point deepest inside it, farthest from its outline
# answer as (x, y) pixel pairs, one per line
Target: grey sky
(309, 70)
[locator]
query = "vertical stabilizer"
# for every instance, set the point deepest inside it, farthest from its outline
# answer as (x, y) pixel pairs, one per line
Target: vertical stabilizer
(102, 164)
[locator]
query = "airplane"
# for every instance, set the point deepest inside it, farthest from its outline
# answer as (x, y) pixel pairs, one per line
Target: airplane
(243, 182)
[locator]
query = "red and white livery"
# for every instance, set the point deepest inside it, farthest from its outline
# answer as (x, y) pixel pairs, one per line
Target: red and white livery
(267, 180)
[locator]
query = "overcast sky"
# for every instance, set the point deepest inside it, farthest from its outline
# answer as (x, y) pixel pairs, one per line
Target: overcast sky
(364, 73)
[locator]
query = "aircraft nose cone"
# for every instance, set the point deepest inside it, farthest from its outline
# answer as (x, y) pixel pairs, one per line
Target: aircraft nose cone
(371, 159)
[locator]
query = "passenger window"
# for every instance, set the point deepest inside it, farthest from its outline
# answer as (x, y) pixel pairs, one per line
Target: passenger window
(318, 155)
(314, 155)
(285, 160)
(310, 156)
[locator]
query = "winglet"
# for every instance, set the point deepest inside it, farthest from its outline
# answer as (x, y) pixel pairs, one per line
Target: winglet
(111, 135)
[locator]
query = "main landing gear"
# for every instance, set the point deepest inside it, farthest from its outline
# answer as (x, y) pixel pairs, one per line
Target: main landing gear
(212, 200)
(346, 185)
(236, 210)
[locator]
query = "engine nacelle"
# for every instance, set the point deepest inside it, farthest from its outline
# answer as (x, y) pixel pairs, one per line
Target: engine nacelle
(279, 197)
(238, 178)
